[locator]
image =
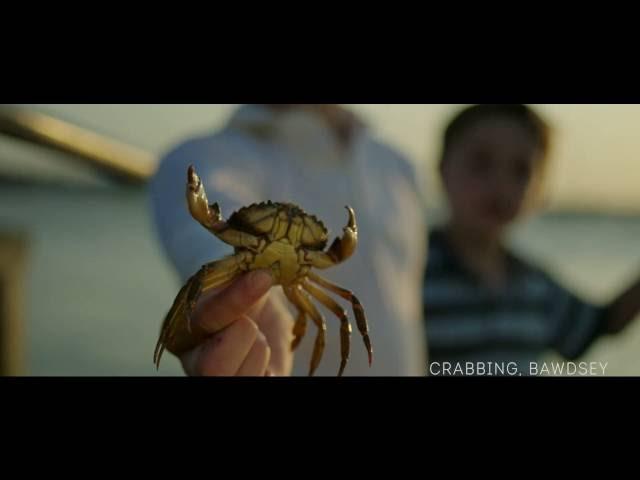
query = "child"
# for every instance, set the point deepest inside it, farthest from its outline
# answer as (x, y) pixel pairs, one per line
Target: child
(486, 309)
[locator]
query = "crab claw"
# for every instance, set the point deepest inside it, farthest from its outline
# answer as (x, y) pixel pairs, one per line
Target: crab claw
(343, 247)
(207, 215)
(352, 219)
(192, 177)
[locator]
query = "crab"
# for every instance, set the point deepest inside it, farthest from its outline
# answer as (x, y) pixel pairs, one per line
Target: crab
(284, 239)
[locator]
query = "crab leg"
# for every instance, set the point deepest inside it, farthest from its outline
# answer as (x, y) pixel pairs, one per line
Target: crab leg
(301, 300)
(176, 335)
(300, 327)
(358, 310)
(345, 327)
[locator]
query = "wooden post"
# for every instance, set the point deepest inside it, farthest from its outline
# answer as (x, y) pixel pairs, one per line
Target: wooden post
(13, 254)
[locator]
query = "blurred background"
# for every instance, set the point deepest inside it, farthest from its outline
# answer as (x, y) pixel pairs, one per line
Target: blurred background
(84, 284)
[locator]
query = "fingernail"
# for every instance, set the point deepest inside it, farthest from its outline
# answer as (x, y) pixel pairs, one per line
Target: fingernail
(260, 281)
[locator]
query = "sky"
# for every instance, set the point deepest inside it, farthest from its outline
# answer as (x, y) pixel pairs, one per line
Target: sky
(595, 162)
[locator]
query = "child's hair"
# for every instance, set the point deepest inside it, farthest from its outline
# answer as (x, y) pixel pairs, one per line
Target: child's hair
(522, 114)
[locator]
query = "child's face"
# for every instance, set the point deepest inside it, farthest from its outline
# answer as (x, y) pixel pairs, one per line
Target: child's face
(487, 174)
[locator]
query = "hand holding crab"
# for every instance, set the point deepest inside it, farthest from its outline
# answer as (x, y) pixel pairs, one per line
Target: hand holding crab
(246, 330)
(287, 242)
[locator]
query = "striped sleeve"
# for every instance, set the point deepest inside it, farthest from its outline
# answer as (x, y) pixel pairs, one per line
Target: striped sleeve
(578, 323)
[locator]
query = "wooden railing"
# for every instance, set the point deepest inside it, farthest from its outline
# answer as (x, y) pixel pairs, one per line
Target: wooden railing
(116, 158)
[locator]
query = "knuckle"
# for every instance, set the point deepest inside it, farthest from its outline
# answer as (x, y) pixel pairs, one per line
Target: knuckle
(262, 350)
(261, 344)
(207, 363)
(261, 341)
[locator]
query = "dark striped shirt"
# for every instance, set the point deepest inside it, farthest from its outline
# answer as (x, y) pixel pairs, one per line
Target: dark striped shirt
(468, 322)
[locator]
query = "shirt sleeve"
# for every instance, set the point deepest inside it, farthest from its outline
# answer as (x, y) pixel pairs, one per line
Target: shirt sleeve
(230, 168)
(578, 322)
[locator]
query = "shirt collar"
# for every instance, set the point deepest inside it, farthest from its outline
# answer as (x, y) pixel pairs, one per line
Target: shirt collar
(303, 133)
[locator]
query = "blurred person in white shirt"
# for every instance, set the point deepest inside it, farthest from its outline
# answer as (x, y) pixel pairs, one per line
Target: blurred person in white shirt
(320, 157)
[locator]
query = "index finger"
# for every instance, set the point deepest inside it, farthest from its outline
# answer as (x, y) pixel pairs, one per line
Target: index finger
(217, 312)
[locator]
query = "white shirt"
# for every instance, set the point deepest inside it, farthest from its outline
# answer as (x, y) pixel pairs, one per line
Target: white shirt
(293, 156)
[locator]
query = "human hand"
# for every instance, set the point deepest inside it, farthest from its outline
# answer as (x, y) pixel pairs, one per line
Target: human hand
(253, 331)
